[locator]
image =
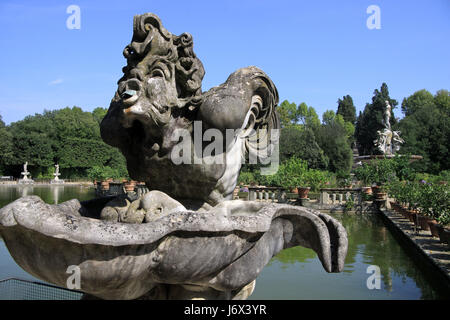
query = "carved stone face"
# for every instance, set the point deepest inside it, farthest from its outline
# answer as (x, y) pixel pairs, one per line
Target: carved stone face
(148, 93)
(160, 92)
(157, 65)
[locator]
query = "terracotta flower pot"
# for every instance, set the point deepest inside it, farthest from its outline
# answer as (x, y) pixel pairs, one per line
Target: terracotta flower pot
(303, 192)
(380, 196)
(405, 213)
(376, 189)
(415, 217)
(433, 227)
(412, 216)
(423, 222)
(130, 185)
(105, 185)
(444, 234)
(366, 190)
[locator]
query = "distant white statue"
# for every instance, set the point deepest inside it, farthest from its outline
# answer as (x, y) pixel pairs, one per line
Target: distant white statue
(387, 115)
(25, 175)
(388, 141)
(57, 174)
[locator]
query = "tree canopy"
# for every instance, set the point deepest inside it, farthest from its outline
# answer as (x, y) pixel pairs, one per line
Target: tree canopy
(333, 138)
(347, 109)
(5, 146)
(303, 145)
(426, 129)
(68, 136)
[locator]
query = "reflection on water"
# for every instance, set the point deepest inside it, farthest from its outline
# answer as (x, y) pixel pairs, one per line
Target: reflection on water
(53, 194)
(295, 273)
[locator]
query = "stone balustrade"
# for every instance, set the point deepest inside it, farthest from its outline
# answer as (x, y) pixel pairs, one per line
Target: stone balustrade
(339, 196)
(262, 193)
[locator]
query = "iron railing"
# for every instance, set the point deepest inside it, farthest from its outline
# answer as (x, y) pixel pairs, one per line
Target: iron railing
(21, 289)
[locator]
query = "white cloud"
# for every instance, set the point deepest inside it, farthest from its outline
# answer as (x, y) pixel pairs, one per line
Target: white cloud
(56, 81)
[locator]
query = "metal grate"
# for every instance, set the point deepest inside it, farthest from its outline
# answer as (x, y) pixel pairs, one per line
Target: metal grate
(20, 289)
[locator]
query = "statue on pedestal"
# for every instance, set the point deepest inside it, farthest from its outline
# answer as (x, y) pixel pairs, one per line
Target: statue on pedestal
(56, 174)
(388, 141)
(25, 173)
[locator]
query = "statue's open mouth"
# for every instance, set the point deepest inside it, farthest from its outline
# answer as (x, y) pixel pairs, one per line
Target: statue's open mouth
(129, 91)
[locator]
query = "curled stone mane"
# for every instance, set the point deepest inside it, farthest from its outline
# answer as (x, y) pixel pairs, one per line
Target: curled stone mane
(179, 50)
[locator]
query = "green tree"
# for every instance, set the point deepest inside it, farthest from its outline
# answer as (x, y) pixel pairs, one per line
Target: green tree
(308, 116)
(347, 109)
(420, 99)
(69, 136)
(332, 138)
(330, 117)
(426, 130)
(302, 144)
(99, 113)
(288, 113)
(32, 141)
(6, 147)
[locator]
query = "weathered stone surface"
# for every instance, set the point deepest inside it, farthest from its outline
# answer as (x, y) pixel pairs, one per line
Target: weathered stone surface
(184, 239)
(222, 249)
(160, 93)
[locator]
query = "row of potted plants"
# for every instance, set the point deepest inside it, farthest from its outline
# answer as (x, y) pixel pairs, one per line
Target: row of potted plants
(295, 176)
(129, 185)
(375, 174)
(425, 204)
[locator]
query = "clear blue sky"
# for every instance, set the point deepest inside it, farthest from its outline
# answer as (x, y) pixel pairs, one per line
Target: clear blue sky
(314, 51)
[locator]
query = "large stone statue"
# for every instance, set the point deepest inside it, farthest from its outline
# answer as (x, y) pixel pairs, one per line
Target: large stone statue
(185, 238)
(388, 141)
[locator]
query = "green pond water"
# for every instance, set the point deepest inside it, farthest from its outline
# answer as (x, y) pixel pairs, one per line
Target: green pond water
(297, 273)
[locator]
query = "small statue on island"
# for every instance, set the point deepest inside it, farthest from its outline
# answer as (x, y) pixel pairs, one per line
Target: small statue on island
(56, 180)
(388, 141)
(25, 174)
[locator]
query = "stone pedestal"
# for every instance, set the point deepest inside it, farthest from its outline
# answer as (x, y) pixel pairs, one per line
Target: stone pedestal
(25, 179)
(57, 180)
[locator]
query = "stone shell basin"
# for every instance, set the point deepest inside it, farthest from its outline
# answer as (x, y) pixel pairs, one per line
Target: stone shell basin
(223, 249)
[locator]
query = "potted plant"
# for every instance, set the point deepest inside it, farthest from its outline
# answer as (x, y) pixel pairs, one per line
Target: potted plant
(130, 186)
(382, 171)
(292, 175)
(316, 179)
(364, 174)
(424, 205)
(97, 173)
(439, 201)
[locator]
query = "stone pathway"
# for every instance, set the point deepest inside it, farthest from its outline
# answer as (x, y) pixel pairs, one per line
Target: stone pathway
(438, 253)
